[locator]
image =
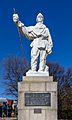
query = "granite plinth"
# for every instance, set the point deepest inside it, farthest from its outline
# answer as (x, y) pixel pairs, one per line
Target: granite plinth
(39, 85)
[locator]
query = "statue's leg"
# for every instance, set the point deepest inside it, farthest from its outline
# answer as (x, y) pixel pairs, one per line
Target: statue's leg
(34, 58)
(42, 63)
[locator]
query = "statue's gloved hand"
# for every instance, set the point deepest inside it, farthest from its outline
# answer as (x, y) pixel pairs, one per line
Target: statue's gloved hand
(15, 18)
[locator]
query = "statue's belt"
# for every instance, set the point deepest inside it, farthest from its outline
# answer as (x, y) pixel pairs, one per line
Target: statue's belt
(43, 38)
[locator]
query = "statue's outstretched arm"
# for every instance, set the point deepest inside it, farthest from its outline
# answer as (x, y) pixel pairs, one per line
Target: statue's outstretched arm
(26, 31)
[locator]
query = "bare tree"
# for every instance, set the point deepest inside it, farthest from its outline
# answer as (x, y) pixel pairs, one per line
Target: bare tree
(14, 68)
(67, 95)
(64, 79)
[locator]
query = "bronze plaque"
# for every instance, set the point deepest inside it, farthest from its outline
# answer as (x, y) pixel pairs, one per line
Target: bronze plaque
(37, 99)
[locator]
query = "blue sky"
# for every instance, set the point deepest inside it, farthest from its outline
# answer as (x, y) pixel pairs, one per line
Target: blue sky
(57, 17)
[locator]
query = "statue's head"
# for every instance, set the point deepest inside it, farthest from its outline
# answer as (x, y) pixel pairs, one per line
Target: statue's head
(39, 18)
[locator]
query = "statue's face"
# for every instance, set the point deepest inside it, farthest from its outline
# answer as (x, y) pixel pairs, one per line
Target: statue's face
(39, 18)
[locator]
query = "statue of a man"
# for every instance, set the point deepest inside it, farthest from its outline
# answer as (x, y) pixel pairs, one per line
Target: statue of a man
(41, 41)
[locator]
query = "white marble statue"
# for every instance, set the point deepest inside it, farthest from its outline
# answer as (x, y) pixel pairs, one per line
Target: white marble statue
(41, 41)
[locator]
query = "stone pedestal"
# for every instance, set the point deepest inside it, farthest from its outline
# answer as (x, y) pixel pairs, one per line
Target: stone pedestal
(37, 98)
